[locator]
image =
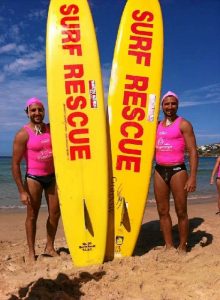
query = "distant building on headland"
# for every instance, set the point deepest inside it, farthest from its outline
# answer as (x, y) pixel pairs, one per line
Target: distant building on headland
(209, 150)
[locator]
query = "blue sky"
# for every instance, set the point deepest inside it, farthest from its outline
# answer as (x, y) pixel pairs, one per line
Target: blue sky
(191, 59)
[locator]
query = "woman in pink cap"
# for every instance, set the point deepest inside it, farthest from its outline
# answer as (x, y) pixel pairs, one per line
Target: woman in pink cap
(33, 143)
(174, 136)
(216, 172)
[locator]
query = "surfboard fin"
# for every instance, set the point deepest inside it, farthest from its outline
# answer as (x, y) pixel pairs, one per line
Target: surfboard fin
(125, 220)
(87, 219)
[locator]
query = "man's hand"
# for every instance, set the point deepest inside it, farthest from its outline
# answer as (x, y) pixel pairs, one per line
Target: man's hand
(25, 198)
(190, 185)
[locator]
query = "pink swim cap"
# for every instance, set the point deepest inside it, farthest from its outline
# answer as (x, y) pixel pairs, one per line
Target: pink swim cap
(169, 93)
(34, 100)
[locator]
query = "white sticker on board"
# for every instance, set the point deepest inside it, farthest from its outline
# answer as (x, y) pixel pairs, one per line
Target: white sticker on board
(151, 107)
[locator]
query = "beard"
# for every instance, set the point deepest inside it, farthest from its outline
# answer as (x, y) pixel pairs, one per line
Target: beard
(36, 120)
(170, 114)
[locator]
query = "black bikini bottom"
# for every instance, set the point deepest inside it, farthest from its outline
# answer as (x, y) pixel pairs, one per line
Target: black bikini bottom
(45, 181)
(166, 172)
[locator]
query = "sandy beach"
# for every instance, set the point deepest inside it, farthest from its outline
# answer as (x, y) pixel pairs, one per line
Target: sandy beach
(151, 273)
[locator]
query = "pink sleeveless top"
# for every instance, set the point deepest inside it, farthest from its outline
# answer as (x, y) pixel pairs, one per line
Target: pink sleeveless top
(170, 144)
(218, 174)
(38, 155)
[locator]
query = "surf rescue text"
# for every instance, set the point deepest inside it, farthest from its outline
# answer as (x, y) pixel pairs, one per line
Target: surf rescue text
(135, 93)
(75, 85)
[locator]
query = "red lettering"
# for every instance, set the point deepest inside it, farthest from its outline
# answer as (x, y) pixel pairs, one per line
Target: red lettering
(131, 163)
(139, 83)
(66, 10)
(132, 125)
(73, 49)
(75, 71)
(74, 103)
(135, 94)
(141, 55)
(123, 149)
(76, 85)
(80, 131)
(131, 114)
(80, 152)
(133, 98)
(71, 35)
(142, 43)
(66, 22)
(135, 30)
(78, 136)
(77, 114)
(140, 49)
(135, 101)
(138, 16)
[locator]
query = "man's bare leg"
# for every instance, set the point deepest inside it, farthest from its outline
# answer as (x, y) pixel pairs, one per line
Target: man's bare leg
(53, 219)
(35, 191)
(162, 195)
(177, 184)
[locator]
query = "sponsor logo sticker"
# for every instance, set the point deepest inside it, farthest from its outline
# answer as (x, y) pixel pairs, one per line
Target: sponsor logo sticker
(92, 93)
(87, 246)
(151, 107)
(119, 240)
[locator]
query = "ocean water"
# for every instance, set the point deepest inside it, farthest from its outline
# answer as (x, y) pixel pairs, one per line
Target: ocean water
(9, 197)
(204, 189)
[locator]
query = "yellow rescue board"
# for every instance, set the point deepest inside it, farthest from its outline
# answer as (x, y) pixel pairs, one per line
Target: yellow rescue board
(133, 106)
(78, 128)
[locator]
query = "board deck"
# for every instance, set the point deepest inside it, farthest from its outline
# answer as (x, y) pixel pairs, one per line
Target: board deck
(78, 128)
(133, 106)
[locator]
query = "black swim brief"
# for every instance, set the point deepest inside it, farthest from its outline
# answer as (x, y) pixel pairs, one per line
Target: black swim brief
(45, 181)
(166, 172)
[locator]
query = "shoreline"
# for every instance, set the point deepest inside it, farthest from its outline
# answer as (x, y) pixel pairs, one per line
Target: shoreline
(9, 217)
(192, 199)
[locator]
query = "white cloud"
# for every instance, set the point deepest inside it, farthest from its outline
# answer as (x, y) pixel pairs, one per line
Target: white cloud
(7, 48)
(205, 95)
(198, 103)
(12, 47)
(14, 94)
(28, 62)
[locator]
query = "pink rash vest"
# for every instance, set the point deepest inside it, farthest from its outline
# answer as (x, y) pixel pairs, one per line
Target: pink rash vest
(38, 155)
(170, 144)
(218, 174)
